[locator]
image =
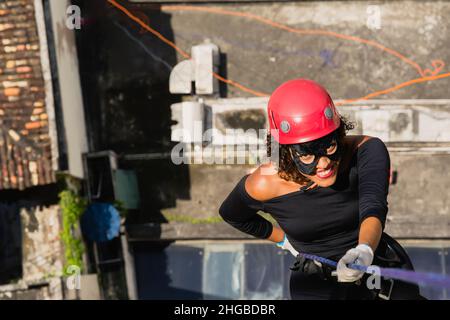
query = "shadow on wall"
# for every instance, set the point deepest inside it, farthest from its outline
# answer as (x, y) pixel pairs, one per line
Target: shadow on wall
(10, 243)
(125, 79)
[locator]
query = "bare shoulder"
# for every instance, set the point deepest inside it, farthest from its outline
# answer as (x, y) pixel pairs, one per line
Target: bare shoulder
(262, 183)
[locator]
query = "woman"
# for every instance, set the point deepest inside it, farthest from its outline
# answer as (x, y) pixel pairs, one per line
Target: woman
(327, 193)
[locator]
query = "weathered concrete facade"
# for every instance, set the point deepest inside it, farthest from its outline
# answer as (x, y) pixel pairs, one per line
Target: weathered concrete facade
(42, 248)
(126, 73)
(339, 44)
(29, 156)
(42, 255)
(353, 48)
(415, 131)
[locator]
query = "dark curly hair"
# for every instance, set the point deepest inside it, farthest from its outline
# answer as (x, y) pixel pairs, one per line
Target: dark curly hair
(287, 169)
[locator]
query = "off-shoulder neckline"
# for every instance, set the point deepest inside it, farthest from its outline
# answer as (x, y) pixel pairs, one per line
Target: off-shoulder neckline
(300, 191)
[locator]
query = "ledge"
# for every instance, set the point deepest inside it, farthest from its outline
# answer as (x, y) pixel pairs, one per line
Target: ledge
(183, 231)
(437, 228)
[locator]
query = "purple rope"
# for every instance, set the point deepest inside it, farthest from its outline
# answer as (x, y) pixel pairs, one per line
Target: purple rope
(420, 278)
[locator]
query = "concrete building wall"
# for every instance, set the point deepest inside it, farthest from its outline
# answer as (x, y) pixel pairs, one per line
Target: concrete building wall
(339, 44)
(29, 150)
(69, 86)
(415, 131)
(353, 48)
(42, 254)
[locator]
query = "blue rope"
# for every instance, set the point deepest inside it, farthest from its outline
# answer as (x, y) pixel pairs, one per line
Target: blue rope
(421, 278)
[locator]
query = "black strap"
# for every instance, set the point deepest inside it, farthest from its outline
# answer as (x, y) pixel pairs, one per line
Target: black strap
(305, 188)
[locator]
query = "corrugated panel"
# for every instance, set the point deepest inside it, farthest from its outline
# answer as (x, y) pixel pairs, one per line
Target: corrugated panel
(264, 267)
(223, 270)
(427, 260)
(173, 272)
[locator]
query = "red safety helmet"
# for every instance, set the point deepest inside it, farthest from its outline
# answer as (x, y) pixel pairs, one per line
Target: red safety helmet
(301, 110)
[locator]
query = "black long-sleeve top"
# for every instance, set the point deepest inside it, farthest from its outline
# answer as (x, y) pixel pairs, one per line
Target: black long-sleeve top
(320, 221)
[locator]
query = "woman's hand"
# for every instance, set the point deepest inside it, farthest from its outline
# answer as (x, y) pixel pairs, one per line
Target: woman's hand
(362, 255)
(369, 237)
(279, 237)
(286, 245)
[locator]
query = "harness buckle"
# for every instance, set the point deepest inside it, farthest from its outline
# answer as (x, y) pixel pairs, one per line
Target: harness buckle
(385, 293)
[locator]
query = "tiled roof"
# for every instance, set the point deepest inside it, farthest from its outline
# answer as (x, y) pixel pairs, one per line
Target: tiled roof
(25, 152)
(22, 164)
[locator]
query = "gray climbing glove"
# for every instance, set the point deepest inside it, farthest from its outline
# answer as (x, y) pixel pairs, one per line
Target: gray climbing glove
(362, 255)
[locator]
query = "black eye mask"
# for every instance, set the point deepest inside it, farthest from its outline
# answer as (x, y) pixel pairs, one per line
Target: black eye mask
(318, 148)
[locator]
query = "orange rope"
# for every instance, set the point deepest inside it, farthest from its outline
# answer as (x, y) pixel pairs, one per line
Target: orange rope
(437, 64)
(180, 51)
(395, 88)
(305, 32)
